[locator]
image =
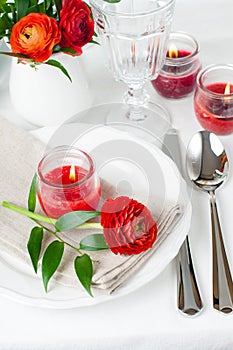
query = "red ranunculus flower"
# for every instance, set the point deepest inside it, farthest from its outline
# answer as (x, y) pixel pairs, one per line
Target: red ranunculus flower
(128, 226)
(34, 36)
(76, 25)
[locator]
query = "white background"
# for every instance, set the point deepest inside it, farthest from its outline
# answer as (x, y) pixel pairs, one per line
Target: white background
(147, 318)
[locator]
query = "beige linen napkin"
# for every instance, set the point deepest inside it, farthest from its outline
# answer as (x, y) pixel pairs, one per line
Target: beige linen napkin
(19, 155)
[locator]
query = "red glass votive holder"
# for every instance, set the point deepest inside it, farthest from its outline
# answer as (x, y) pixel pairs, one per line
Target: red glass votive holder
(67, 181)
(213, 99)
(177, 78)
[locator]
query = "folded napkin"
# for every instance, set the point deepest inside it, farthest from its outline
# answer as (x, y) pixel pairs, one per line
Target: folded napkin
(19, 155)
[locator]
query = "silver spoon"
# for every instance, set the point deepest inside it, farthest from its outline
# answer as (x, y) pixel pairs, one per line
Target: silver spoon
(207, 167)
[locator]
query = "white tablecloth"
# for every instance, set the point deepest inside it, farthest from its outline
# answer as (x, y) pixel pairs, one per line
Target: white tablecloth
(148, 318)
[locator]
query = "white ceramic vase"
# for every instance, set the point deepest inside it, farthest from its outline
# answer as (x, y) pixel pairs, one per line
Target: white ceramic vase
(45, 96)
(5, 64)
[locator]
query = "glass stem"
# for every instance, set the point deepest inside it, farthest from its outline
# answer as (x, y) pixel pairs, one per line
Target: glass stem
(135, 98)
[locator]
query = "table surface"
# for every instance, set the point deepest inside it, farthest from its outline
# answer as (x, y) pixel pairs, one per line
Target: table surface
(147, 318)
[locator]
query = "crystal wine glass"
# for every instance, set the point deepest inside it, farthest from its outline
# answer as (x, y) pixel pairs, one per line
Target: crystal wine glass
(134, 34)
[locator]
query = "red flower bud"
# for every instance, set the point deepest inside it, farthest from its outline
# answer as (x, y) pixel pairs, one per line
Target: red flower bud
(129, 227)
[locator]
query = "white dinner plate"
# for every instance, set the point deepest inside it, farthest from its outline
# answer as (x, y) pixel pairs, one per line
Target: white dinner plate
(136, 169)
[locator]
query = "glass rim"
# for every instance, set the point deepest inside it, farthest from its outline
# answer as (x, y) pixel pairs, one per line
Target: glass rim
(179, 60)
(111, 12)
(57, 150)
(207, 69)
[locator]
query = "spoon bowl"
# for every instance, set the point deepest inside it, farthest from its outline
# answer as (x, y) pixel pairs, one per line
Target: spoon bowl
(207, 162)
(207, 168)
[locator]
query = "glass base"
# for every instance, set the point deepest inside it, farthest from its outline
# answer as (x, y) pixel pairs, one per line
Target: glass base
(151, 128)
(150, 122)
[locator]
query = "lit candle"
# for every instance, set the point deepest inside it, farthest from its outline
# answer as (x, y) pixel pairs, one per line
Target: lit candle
(67, 181)
(178, 76)
(72, 175)
(213, 100)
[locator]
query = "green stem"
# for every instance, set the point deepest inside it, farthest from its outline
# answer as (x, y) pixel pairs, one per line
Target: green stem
(28, 213)
(38, 217)
(65, 242)
(34, 216)
(54, 233)
(44, 227)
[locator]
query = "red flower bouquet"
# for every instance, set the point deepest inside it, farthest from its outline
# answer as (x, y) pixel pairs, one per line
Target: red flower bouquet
(36, 29)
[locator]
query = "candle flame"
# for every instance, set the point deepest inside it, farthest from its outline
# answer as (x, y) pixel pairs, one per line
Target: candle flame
(173, 52)
(72, 176)
(227, 91)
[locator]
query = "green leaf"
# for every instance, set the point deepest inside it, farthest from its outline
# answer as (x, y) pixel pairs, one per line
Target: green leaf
(93, 242)
(58, 4)
(47, 4)
(21, 8)
(50, 12)
(32, 195)
(3, 5)
(33, 2)
(5, 23)
(73, 219)
(34, 245)
(112, 1)
(13, 54)
(94, 42)
(57, 64)
(51, 260)
(8, 8)
(84, 271)
(34, 7)
(65, 50)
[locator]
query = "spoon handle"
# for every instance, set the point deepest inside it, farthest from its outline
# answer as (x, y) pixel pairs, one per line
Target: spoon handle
(189, 299)
(222, 280)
